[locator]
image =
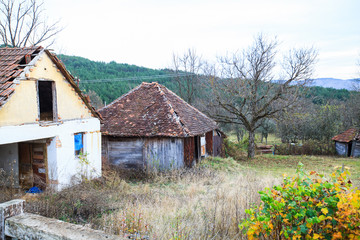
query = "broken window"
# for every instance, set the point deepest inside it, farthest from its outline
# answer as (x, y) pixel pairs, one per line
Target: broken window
(79, 143)
(47, 102)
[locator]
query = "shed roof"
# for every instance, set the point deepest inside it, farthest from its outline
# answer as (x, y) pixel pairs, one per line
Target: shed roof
(14, 61)
(346, 136)
(152, 110)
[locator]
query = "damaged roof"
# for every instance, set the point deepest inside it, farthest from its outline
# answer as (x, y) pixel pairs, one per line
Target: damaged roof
(14, 61)
(346, 136)
(152, 110)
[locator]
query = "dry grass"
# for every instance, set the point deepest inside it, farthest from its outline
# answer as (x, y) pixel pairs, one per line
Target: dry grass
(206, 202)
(8, 190)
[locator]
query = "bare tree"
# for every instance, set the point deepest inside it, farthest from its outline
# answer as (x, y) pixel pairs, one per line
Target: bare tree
(245, 91)
(22, 23)
(187, 68)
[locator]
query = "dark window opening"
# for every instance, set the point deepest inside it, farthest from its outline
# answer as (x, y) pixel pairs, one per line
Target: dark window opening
(78, 141)
(46, 100)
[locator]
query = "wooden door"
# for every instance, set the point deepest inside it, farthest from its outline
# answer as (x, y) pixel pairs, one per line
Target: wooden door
(32, 165)
(39, 164)
(25, 166)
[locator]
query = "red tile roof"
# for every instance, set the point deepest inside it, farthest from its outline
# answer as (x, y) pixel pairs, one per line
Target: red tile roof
(346, 136)
(152, 110)
(13, 63)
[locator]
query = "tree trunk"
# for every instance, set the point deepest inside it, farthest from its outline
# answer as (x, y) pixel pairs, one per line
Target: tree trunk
(251, 147)
(238, 135)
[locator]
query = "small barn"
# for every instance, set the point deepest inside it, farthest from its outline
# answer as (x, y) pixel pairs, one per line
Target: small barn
(151, 127)
(47, 126)
(355, 147)
(344, 143)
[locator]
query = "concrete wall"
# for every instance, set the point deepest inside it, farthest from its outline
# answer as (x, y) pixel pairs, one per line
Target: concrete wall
(22, 106)
(62, 162)
(69, 104)
(87, 165)
(9, 161)
(15, 224)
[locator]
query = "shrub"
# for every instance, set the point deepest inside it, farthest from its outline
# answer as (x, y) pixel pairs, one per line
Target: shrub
(306, 207)
(309, 147)
(235, 150)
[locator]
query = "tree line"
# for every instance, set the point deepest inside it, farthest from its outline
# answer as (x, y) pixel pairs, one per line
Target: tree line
(241, 89)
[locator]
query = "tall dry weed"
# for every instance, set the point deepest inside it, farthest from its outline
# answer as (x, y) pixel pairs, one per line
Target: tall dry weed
(197, 203)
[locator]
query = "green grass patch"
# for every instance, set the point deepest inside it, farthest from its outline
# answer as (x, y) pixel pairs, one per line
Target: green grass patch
(276, 165)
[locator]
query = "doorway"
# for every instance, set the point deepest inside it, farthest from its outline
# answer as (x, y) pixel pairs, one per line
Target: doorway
(32, 165)
(47, 101)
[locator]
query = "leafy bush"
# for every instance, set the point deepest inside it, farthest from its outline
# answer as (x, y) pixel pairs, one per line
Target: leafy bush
(307, 207)
(235, 150)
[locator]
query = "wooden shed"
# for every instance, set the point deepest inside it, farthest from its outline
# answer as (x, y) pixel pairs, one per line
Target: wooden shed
(344, 143)
(151, 127)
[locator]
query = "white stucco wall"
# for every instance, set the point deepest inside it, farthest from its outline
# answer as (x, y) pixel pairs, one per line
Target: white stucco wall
(9, 161)
(62, 163)
(70, 167)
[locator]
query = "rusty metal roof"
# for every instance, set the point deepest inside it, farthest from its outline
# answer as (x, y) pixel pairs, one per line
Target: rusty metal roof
(152, 110)
(346, 136)
(13, 62)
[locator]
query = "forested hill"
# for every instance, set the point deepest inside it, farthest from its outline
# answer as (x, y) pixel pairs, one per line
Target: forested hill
(131, 75)
(116, 78)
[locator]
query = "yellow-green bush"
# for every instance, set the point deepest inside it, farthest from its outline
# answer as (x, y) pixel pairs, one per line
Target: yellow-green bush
(307, 206)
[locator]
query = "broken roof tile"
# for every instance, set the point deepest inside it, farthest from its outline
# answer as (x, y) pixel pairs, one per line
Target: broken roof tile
(152, 110)
(10, 68)
(346, 136)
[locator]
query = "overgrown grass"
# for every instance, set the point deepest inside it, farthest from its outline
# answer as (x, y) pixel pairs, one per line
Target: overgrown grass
(206, 202)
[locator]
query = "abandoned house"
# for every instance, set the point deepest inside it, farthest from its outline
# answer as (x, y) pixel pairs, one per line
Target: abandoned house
(48, 130)
(151, 127)
(347, 143)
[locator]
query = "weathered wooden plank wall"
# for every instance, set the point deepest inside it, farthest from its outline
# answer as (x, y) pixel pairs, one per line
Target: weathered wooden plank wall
(126, 153)
(218, 143)
(209, 143)
(105, 147)
(355, 149)
(164, 153)
(341, 148)
(189, 151)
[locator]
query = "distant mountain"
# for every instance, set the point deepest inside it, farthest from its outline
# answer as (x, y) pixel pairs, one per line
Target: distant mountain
(335, 83)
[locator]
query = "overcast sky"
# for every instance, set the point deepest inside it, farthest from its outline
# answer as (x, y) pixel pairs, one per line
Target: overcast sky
(147, 32)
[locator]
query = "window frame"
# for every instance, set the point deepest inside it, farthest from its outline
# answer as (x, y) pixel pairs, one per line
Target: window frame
(81, 151)
(54, 100)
